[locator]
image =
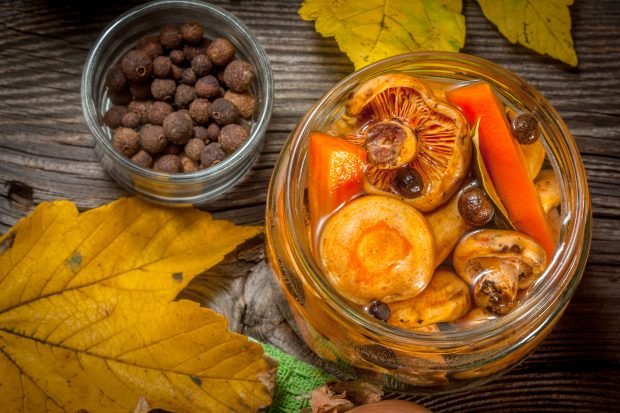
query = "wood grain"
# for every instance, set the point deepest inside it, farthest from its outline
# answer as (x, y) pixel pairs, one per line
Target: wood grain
(47, 153)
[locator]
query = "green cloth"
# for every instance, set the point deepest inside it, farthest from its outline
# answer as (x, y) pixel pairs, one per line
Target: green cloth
(294, 382)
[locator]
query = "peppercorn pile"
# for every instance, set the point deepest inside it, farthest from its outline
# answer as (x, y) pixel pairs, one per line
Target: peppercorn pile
(180, 102)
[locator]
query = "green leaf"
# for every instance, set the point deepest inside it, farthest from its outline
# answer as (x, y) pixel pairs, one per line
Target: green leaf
(543, 26)
(372, 30)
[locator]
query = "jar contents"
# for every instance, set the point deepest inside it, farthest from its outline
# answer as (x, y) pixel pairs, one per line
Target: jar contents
(181, 103)
(429, 201)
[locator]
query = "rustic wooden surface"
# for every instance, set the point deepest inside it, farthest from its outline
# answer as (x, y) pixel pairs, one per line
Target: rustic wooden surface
(46, 153)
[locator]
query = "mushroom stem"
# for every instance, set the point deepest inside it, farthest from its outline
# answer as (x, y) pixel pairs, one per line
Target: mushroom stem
(548, 189)
(496, 288)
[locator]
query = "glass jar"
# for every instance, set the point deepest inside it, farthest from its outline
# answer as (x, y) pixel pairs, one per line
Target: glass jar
(422, 362)
(118, 38)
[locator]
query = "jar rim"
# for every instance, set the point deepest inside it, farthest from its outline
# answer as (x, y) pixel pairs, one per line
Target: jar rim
(573, 245)
(258, 127)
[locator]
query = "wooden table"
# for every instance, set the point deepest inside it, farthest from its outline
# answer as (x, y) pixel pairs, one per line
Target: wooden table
(46, 153)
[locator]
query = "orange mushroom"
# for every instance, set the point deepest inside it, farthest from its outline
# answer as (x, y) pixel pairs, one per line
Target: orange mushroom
(418, 146)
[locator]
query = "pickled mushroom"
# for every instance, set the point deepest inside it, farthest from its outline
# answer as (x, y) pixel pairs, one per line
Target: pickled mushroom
(548, 189)
(446, 298)
(497, 263)
(377, 247)
(418, 147)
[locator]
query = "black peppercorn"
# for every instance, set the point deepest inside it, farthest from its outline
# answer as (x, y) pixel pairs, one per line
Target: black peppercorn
(163, 89)
(184, 95)
(525, 128)
(170, 37)
(167, 163)
(158, 112)
(211, 154)
(136, 65)
(152, 138)
(131, 120)
(207, 87)
(192, 32)
(200, 110)
(114, 116)
(143, 159)
(201, 65)
(232, 137)
(162, 67)
(126, 141)
(178, 127)
(221, 51)
(239, 75)
(224, 111)
(116, 80)
(379, 310)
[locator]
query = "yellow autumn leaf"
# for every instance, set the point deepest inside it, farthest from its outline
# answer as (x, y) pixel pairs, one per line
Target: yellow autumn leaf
(543, 26)
(88, 318)
(371, 30)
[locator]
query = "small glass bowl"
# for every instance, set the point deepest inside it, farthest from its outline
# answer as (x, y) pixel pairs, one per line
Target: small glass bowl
(118, 38)
(423, 362)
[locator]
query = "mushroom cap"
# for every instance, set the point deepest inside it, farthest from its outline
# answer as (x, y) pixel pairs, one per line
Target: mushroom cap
(479, 249)
(439, 131)
(377, 247)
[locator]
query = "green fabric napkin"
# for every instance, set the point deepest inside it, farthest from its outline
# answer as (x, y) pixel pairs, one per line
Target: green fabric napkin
(294, 382)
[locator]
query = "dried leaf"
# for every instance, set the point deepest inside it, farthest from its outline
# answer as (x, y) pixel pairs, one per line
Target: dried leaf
(371, 30)
(543, 26)
(87, 319)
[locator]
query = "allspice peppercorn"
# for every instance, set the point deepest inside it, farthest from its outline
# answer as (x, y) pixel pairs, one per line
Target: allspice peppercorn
(232, 137)
(113, 118)
(200, 110)
(177, 57)
(192, 32)
(140, 91)
(131, 120)
(213, 131)
(115, 79)
(158, 112)
(178, 127)
(152, 138)
(126, 141)
(162, 67)
(142, 108)
(211, 154)
(201, 65)
(136, 65)
(244, 102)
(143, 159)
(200, 132)
(119, 98)
(153, 49)
(188, 165)
(207, 87)
(184, 95)
(221, 51)
(188, 77)
(167, 163)
(170, 37)
(193, 50)
(223, 111)
(194, 148)
(239, 75)
(177, 72)
(163, 89)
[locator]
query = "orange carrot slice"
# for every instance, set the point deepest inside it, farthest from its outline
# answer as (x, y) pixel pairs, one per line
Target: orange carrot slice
(334, 174)
(504, 161)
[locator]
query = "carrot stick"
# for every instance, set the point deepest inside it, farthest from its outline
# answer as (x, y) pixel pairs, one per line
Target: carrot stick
(334, 174)
(504, 161)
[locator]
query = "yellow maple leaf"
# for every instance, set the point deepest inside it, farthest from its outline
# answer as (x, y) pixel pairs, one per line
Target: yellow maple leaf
(543, 26)
(88, 321)
(370, 30)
